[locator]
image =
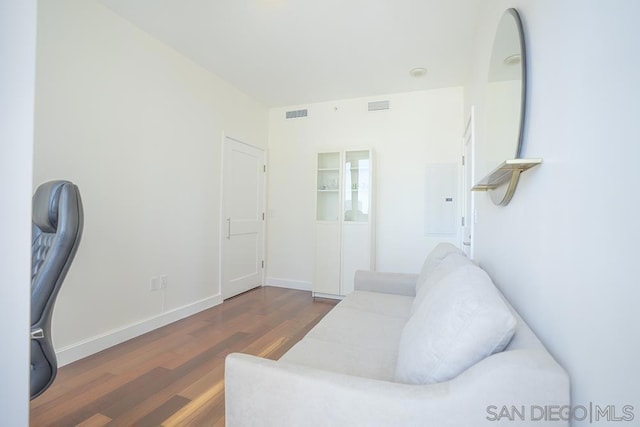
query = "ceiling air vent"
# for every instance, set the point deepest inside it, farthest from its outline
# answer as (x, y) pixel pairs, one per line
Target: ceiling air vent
(296, 114)
(378, 105)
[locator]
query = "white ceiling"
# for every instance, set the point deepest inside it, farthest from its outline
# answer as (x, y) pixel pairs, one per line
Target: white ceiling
(292, 52)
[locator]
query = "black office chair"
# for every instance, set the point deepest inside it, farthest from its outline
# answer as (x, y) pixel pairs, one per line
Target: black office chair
(57, 228)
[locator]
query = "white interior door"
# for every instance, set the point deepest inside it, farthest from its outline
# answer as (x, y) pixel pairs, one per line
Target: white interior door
(468, 208)
(242, 248)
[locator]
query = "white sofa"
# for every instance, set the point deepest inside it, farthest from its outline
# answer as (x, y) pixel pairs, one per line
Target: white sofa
(406, 350)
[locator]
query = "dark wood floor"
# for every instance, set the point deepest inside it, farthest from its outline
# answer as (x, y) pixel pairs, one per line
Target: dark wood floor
(173, 376)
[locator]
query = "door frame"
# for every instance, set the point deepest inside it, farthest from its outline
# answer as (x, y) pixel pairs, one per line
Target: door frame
(222, 222)
(468, 196)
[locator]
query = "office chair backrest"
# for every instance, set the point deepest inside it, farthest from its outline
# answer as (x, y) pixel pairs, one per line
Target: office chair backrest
(57, 227)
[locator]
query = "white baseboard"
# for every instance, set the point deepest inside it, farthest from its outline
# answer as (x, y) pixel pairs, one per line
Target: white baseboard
(289, 284)
(93, 345)
(330, 296)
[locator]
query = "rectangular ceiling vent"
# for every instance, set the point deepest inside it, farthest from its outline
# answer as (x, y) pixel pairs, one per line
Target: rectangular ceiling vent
(296, 114)
(378, 105)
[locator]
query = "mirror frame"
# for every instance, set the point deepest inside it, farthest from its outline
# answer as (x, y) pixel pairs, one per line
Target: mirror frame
(502, 194)
(503, 180)
(523, 60)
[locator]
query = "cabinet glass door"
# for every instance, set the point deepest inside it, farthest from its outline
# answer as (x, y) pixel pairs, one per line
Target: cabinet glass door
(357, 186)
(328, 187)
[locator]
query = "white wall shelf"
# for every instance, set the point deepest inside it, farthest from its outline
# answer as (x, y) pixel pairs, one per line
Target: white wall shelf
(508, 171)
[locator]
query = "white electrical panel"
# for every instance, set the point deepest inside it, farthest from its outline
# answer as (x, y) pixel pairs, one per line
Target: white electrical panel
(441, 199)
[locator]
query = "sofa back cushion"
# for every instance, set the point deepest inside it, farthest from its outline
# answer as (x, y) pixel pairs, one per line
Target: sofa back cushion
(447, 265)
(434, 259)
(461, 321)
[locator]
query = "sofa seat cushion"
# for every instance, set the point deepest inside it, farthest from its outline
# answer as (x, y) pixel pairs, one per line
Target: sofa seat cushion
(462, 320)
(376, 363)
(359, 337)
(379, 303)
(359, 328)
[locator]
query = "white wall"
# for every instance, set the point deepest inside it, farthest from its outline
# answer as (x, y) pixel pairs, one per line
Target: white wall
(139, 128)
(565, 250)
(17, 78)
(420, 128)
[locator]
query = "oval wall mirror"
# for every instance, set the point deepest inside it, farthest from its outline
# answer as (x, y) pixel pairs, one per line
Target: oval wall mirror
(505, 94)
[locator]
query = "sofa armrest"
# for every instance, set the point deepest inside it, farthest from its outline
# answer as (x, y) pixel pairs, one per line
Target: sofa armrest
(263, 392)
(387, 283)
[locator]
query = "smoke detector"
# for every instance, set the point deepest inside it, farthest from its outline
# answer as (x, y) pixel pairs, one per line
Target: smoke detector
(418, 72)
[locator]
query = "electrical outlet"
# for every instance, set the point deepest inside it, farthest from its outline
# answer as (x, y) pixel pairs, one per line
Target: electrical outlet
(164, 281)
(155, 283)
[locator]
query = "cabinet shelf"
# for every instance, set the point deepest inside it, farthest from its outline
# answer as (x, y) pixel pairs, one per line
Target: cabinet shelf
(344, 239)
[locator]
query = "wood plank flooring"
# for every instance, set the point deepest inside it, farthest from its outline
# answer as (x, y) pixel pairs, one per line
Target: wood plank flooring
(173, 376)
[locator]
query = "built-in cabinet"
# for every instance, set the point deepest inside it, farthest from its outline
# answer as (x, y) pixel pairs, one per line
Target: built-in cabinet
(344, 240)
